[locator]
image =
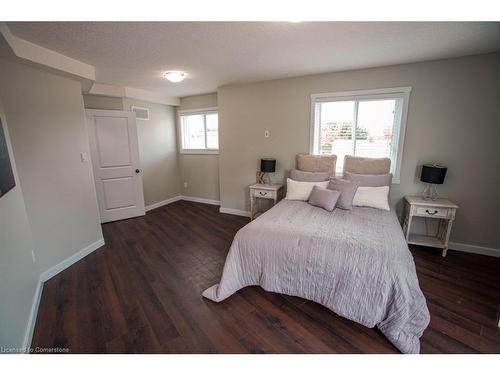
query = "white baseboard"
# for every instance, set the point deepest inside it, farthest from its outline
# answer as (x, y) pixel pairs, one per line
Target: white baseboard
(181, 198)
(71, 260)
(30, 328)
(232, 211)
(51, 272)
(162, 203)
(199, 200)
(467, 248)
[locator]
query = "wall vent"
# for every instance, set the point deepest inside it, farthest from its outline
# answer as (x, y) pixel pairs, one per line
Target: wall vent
(141, 113)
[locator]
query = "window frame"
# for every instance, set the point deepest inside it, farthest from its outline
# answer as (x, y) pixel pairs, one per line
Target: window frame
(197, 111)
(402, 93)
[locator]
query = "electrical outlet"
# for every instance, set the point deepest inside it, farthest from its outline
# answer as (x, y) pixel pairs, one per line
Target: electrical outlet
(185, 185)
(266, 133)
(33, 255)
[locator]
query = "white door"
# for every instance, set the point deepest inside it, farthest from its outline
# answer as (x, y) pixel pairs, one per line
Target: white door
(115, 160)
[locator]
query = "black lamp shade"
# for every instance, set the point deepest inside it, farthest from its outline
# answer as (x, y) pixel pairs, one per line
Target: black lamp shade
(433, 173)
(267, 165)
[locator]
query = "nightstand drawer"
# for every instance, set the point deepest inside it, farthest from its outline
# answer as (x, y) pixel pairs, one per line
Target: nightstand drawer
(432, 212)
(260, 193)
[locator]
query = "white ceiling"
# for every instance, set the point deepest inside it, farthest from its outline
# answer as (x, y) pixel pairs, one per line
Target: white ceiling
(217, 53)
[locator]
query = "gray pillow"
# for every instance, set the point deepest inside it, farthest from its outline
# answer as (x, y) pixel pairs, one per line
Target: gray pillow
(372, 180)
(297, 175)
(324, 198)
(347, 189)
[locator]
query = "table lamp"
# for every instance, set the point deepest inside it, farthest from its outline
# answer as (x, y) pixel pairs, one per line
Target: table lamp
(267, 165)
(432, 175)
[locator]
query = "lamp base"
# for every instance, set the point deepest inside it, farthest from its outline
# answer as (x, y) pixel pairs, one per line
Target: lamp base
(262, 178)
(430, 192)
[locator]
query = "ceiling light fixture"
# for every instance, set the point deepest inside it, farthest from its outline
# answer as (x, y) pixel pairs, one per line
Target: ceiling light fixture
(174, 77)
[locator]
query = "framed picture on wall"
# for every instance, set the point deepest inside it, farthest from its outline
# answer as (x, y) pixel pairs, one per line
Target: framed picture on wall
(7, 181)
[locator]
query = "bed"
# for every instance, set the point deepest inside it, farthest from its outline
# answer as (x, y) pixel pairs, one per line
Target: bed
(356, 263)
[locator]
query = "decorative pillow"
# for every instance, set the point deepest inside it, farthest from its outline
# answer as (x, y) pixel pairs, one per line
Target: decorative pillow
(317, 163)
(369, 179)
(356, 164)
(372, 196)
(297, 175)
(300, 190)
(324, 198)
(347, 189)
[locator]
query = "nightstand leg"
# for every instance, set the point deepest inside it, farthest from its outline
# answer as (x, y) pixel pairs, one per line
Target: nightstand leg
(251, 205)
(447, 237)
(408, 227)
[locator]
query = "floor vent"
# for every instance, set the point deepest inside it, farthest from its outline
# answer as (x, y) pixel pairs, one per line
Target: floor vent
(141, 113)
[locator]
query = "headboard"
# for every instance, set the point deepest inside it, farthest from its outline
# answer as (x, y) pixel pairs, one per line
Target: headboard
(317, 163)
(352, 164)
(359, 165)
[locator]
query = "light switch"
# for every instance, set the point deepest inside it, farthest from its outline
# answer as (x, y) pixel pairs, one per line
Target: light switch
(84, 157)
(266, 133)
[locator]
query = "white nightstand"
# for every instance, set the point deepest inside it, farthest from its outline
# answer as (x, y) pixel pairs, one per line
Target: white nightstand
(441, 209)
(264, 191)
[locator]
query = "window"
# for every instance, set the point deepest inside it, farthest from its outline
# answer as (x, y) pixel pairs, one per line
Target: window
(199, 131)
(369, 123)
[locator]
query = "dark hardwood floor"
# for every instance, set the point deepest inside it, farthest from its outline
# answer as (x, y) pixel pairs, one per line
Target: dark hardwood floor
(141, 292)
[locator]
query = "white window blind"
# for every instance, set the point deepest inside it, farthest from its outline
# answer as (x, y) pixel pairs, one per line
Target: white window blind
(365, 123)
(199, 131)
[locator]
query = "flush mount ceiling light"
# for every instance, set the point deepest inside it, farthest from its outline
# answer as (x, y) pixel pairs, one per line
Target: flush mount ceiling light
(174, 77)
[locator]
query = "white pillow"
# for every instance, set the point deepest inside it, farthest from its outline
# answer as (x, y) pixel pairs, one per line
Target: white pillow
(301, 190)
(376, 197)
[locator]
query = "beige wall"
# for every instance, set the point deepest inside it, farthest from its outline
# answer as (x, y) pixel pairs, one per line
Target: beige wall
(199, 101)
(158, 151)
(103, 102)
(201, 172)
(18, 273)
(453, 119)
(45, 117)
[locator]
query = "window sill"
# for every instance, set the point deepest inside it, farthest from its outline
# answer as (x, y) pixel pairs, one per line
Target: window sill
(199, 152)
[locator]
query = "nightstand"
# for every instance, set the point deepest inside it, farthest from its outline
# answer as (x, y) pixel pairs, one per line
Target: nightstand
(263, 191)
(440, 209)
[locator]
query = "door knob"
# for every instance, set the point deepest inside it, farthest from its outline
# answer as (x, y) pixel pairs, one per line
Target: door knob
(137, 171)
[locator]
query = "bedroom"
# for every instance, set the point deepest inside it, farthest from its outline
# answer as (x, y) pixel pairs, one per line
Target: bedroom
(138, 172)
